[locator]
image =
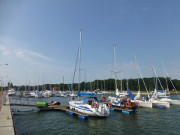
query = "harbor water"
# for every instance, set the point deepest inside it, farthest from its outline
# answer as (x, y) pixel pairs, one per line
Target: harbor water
(145, 121)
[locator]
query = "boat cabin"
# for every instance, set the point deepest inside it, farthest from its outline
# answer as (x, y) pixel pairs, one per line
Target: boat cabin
(90, 100)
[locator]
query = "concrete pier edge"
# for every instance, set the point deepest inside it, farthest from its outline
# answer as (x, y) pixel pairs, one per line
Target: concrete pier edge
(7, 125)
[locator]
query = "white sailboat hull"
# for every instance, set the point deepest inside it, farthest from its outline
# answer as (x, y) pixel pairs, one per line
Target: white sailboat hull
(175, 102)
(102, 111)
(171, 101)
(161, 103)
(144, 104)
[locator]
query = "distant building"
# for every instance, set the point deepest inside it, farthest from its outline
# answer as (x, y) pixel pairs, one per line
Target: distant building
(56, 88)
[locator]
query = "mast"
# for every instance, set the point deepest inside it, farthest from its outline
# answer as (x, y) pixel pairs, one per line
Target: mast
(121, 81)
(115, 69)
(155, 82)
(63, 83)
(38, 84)
(139, 84)
(139, 71)
(127, 85)
(171, 81)
(97, 84)
(104, 85)
(26, 84)
(157, 79)
(80, 60)
(75, 70)
(166, 77)
(138, 74)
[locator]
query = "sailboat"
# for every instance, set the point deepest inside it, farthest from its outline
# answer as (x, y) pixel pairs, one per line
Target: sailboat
(166, 96)
(11, 92)
(138, 97)
(155, 98)
(119, 101)
(123, 93)
(89, 105)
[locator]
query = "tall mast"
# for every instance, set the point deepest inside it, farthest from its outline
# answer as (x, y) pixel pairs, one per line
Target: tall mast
(63, 83)
(26, 84)
(166, 77)
(139, 71)
(115, 68)
(127, 85)
(171, 81)
(157, 79)
(121, 81)
(104, 85)
(80, 60)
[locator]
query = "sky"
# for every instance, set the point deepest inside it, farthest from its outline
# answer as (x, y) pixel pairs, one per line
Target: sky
(39, 40)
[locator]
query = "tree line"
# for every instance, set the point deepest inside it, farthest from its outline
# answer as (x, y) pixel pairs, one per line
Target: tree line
(109, 85)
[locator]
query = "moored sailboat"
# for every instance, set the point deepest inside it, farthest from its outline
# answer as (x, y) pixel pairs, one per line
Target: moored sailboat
(88, 105)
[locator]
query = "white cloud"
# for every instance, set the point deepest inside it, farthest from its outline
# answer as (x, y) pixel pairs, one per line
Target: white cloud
(4, 50)
(10, 48)
(24, 63)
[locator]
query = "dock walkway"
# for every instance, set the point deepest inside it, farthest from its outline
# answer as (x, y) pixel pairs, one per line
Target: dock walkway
(56, 107)
(6, 120)
(66, 108)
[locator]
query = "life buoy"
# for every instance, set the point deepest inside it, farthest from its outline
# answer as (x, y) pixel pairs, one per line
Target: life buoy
(109, 104)
(103, 99)
(127, 104)
(132, 104)
(94, 105)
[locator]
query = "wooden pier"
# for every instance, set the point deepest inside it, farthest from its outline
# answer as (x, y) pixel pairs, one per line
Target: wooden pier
(56, 107)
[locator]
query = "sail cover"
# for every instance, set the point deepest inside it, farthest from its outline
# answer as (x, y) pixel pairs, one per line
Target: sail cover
(130, 94)
(83, 93)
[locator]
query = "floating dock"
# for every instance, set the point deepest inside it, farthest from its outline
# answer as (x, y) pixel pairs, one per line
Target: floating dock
(57, 107)
(70, 111)
(126, 111)
(6, 119)
(123, 110)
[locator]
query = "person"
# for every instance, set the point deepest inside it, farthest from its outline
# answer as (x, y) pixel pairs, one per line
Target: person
(128, 102)
(122, 102)
(142, 98)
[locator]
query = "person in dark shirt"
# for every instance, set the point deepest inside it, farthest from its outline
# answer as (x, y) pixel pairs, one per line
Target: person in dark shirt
(122, 102)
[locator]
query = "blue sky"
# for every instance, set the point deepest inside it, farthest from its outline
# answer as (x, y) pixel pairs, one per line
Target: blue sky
(42, 37)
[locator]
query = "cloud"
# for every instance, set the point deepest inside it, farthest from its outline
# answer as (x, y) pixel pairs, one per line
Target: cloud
(38, 55)
(24, 62)
(28, 54)
(4, 50)
(10, 48)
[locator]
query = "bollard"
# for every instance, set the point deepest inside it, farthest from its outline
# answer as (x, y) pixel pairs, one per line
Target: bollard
(7, 117)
